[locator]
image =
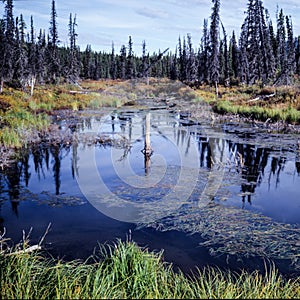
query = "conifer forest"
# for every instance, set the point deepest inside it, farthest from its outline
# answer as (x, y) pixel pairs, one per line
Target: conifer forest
(266, 52)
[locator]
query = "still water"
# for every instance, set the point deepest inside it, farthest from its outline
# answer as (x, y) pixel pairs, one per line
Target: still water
(226, 195)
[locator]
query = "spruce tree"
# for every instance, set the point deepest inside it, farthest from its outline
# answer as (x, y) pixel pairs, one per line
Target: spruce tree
(130, 60)
(52, 49)
(174, 66)
(87, 62)
(281, 37)
(257, 59)
(204, 54)
(297, 54)
(233, 57)
(291, 65)
(183, 60)
(145, 62)
(41, 68)
(122, 65)
(191, 66)
(9, 43)
(267, 60)
(214, 66)
(73, 64)
(97, 69)
(273, 41)
(243, 70)
(224, 58)
(113, 63)
(32, 58)
(20, 54)
(171, 59)
(286, 51)
(2, 53)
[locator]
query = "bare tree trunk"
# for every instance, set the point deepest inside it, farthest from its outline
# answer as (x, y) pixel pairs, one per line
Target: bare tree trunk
(147, 148)
(32, 83)
(1, 85)
(147, 137)
(217, 90)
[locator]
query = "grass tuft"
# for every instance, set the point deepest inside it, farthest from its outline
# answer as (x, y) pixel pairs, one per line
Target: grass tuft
(123, 270)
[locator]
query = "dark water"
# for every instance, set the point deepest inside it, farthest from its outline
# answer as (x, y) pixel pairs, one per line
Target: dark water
(199, 183)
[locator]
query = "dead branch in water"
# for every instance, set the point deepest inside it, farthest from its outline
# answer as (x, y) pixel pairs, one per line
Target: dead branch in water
(5, 249)
(261, 97)
(26, 250)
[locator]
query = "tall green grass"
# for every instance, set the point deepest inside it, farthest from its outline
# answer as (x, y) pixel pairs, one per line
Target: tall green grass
(124, 270)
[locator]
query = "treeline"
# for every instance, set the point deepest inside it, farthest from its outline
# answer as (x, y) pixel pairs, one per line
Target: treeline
(262, 54)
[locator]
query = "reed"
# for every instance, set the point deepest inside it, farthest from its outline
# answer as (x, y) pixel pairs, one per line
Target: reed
(124, 270)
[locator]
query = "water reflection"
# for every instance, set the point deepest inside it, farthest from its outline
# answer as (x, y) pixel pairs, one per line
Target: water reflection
(39, 158)
(254, 166)
(298, 167)
(12, 180)
(255, 161)
(231, 172)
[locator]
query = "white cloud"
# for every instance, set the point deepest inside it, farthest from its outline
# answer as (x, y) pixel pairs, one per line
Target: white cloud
(152, 13)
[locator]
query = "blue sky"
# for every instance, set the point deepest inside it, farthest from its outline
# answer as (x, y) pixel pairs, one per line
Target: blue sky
(158, 22)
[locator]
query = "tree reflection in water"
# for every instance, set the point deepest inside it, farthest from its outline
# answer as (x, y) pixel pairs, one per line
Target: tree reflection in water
(15, 178)
(298, 167)
(211, 151)
(255, 159)
(251, 164)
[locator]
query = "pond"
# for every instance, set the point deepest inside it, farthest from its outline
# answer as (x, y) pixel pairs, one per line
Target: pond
(225, 195)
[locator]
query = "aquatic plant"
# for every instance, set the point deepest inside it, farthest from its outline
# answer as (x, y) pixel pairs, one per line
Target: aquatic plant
(235, 232)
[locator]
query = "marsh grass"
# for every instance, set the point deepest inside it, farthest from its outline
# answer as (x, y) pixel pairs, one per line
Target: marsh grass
(124, 270)
(254, 102)
(289, 114)
(22, 115)
(20, 112)
(18, 123)
(10, 138)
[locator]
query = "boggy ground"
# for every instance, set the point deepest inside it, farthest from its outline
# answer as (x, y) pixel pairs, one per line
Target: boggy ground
(27, 120)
